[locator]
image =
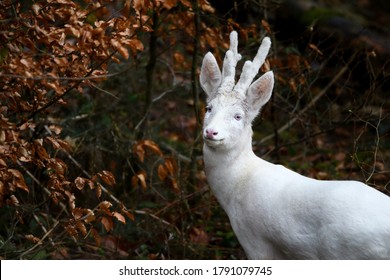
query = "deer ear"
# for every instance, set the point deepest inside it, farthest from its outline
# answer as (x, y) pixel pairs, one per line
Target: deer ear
(260, 92)
(210, 75)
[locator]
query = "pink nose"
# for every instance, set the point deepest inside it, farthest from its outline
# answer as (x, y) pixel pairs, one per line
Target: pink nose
(211, 133)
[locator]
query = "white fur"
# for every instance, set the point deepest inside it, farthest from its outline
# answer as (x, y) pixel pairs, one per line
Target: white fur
(275, 212)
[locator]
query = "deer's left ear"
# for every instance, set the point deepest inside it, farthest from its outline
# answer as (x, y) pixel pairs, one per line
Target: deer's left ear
(260, 92)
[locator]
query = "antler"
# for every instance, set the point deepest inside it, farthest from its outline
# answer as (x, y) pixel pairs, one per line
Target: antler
(229, 64)
(213, 82)
(251, 68)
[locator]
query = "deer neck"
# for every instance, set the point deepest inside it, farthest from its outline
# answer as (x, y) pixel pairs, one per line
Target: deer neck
(225, 167)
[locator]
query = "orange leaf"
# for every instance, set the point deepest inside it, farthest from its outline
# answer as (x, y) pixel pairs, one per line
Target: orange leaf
(152, 146)
(162, 172)
(170, 165)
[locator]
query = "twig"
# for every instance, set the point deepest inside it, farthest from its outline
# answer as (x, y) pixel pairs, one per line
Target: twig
(312, 102)
(48, 78)
(146, 114)
(142, 212)
(57, 98)
(56, 223)
(194, 67)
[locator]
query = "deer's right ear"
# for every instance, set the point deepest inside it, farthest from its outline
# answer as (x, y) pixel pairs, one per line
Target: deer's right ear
(210, 75)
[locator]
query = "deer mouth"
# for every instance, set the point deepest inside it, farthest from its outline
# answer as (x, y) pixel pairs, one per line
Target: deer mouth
(212, 141)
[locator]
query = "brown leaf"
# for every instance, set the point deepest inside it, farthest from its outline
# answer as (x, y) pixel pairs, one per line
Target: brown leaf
(120, 48)
(266, 26)
(292, 84)
(40, 150)
(119, 217)
(107, 223)
(71, 199)
(55, 129)
(78, 213)
(205, 6)
(18, 179)
(57, 165)
(80, 182)
(168, 4)
(105, 206)
(135, 45)
(12, 200)
(152, 146)
(174, 185)
(71, 230)
(81, 227)
(316, 49)
(139, 151)
(53, 142)
(90, 216)
(32, 238)
(139, 178)
(98, 191)
(96, 236)
(107, 177)
(199, 236)
(128, 214)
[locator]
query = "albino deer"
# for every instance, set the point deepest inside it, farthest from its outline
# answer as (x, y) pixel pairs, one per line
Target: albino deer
(275, 212)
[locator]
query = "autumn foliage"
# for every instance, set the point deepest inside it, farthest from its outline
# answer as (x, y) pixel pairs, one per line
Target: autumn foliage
(99, 127)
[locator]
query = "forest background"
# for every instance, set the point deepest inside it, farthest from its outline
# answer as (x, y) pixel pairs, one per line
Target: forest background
(101, 114)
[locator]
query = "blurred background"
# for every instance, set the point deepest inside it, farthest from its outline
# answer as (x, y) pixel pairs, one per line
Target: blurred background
(101, 115)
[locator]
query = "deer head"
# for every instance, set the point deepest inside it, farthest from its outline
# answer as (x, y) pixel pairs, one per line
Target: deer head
(231, 107)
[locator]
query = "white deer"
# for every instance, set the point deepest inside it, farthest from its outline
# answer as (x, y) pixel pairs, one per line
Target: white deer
(277, 213)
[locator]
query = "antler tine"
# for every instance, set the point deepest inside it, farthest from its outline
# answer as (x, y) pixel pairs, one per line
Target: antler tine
(251, 68)
(229, 64)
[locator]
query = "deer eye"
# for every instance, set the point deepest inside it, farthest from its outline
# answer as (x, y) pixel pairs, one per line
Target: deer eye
(237, 117)
(208, 109)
